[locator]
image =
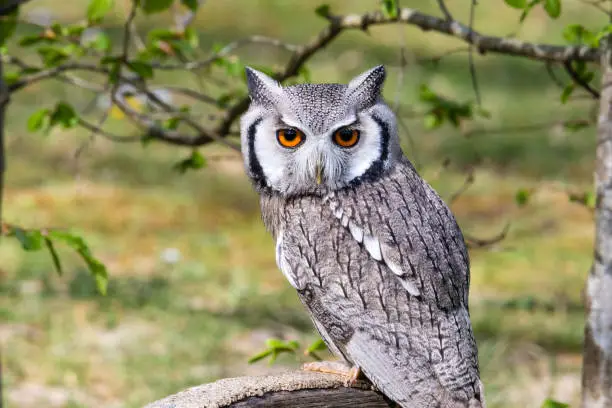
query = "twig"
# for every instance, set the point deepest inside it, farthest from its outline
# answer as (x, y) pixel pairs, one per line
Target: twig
(469, 180)
(4, 100)
(551, 73)
(473, 242)
(190, 93)
(54, 72)
(229, 48)
(436, 59)
(513, 129)
(97, 130)
(578, 79)
(598, 5)
(444, 9)
(473, 4)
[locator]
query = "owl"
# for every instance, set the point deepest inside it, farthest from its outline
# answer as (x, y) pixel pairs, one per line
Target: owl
(375, 255)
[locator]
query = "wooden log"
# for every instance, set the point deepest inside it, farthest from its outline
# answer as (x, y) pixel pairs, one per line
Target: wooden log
(296, 389)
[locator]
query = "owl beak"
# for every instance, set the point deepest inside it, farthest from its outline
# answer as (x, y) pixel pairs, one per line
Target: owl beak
(319, 170)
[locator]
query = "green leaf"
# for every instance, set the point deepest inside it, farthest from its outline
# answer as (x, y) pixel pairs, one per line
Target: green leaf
(11, 77)
(578, 34)
(30, 240)
(97, 9)
(590, 199)
(553, 8)
(143, 69)
(549, 403)
(432, 121)
(522, 197)
(39, 120)
(96, 268)
(155, 6)
(260, 356)
(8, 23)
(100, 42)
(323, 11)
(193, 162)
(567, 92)
(604, 32)
(518, 4)
(389, 8)
(65, 115)
(304, 73)
(191, 4)
(53, 56)
(318, 345)
(54, 256)
(29, 40)
(192, 38)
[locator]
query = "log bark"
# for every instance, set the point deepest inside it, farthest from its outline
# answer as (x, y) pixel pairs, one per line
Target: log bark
(597, 365)
(296, 389)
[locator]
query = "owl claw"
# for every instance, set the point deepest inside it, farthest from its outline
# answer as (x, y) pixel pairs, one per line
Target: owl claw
(351, 373)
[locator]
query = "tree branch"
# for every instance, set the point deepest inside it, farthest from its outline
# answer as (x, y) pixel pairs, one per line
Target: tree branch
(578, 79)
(295, 389)
(473, 242)
(9, 6)
(300, 55)
(484, 44)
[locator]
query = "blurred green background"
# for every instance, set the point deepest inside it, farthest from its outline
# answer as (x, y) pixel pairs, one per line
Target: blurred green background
(194, 289)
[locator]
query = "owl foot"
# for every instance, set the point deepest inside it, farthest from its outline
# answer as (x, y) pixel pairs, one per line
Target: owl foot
(351, 373)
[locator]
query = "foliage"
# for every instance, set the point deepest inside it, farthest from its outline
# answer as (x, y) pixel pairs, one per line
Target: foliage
(275, 347)
(36, 240)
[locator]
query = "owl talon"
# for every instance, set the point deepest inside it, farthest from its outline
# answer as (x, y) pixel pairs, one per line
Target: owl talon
(353, 376)
(351, 373)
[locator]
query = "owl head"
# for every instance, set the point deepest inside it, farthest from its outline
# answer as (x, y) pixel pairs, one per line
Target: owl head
(313, 138)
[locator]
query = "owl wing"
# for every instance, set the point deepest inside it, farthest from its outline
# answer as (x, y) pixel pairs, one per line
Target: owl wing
(402, 222)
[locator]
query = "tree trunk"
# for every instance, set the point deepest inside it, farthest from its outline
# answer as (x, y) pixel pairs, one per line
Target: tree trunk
(597, 365)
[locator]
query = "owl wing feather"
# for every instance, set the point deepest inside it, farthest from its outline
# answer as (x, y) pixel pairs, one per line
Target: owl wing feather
(402, 222)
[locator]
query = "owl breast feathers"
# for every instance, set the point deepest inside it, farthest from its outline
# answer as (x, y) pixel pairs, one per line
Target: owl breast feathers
(376, 256)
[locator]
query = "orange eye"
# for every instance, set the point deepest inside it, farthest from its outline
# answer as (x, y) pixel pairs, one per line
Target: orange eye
(346, 137)
(289, 137)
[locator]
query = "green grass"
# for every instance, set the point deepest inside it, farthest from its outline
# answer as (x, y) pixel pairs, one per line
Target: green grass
(164, 327)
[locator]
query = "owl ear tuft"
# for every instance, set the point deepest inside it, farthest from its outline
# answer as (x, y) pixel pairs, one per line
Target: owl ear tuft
(366, 88)
(263, 90)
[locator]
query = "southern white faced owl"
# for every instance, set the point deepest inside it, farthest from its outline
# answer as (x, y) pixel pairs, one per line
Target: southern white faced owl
(375, 255)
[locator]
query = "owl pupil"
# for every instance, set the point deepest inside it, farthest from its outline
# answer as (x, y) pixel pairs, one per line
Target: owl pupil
(290, 134)
(346, 135)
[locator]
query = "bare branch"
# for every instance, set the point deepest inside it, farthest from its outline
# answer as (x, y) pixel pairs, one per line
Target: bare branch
(483, 43)
(473, 242)
(444, 9)
(551, 73)
(97, 130)
(469, 180)
(190, 93)
(473, 4)
(4, 100)
(54, 72)
(228, 49)
(10, 5)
